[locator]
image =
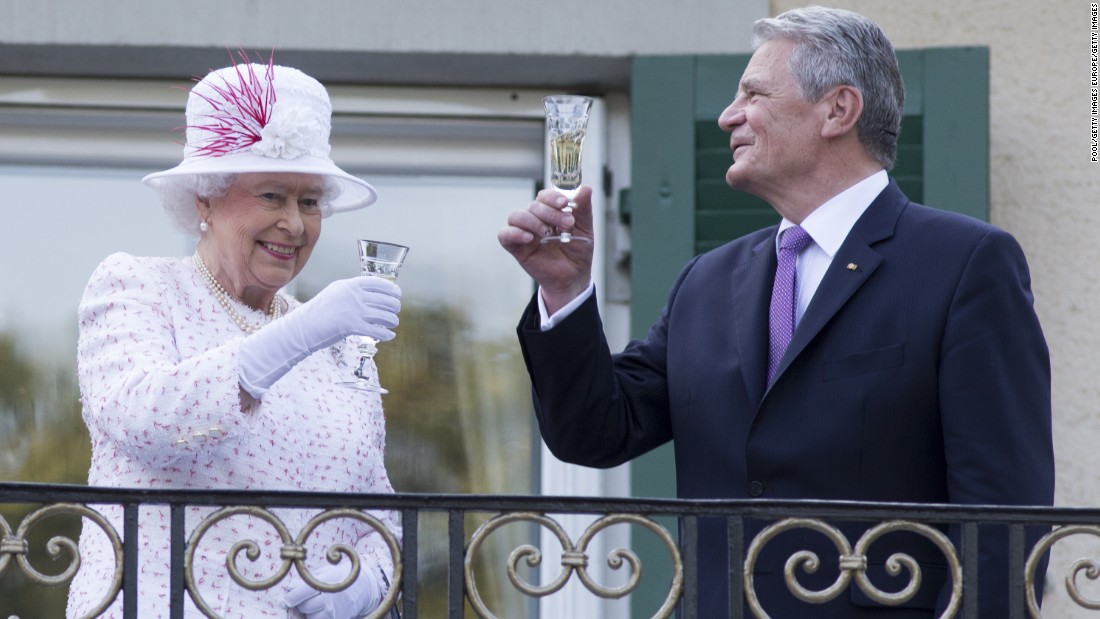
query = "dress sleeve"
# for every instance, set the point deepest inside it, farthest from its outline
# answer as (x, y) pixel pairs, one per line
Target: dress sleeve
(138, 391)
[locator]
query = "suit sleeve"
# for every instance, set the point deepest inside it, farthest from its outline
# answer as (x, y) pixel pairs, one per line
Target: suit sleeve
(995, 401)
(594, 408)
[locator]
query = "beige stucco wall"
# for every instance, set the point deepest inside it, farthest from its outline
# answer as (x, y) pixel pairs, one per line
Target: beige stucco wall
(1044, 188)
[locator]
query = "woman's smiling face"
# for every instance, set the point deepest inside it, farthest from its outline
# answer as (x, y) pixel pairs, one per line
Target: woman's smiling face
(261, 232)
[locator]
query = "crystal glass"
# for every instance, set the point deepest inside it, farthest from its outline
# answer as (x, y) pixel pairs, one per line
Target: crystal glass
(566, 124)
(381, 260)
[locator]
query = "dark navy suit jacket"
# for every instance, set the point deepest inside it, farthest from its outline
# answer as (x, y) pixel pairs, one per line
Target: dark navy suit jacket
(919, 373)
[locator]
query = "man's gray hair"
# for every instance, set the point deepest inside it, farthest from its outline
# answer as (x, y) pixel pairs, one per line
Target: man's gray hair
(834, 47)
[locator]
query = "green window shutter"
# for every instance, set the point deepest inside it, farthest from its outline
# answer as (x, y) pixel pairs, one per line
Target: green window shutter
(662, 179)
(681, 206)
(955, 109)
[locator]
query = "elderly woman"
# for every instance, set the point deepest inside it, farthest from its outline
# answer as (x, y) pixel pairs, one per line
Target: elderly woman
(199, 373)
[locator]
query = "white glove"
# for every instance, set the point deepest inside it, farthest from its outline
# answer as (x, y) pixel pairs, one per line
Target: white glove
(364, 305)
(358, 599)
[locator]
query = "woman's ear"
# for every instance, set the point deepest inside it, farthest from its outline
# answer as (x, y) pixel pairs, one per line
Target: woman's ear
(843, 107)
(203, 208)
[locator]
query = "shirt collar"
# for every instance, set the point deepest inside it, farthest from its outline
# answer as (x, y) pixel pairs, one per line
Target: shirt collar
(829, 224)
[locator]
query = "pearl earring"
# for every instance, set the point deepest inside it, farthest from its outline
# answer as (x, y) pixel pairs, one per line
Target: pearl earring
(203, 226)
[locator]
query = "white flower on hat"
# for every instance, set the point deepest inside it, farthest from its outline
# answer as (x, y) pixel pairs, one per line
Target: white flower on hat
(292, 131)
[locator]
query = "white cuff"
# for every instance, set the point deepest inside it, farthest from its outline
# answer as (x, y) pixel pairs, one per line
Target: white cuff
(548, 322)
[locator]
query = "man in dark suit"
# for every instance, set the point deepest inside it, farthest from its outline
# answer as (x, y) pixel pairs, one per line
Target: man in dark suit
(916, 371)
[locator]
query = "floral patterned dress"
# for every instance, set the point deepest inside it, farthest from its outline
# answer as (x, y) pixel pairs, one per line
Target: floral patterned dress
(157, 364)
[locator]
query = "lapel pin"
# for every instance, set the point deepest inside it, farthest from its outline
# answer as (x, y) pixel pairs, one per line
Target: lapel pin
(852, 266)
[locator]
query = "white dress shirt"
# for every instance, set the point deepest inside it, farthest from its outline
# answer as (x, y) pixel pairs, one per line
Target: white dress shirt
(828, 225)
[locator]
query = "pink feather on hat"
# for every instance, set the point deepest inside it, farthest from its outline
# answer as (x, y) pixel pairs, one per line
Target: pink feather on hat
(240, 111)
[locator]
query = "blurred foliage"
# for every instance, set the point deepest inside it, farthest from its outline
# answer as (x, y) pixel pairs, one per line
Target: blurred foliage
(17, 402)
(43, 439)
(458, 420)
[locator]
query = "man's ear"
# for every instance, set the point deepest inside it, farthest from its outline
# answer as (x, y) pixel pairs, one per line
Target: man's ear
(843, 106)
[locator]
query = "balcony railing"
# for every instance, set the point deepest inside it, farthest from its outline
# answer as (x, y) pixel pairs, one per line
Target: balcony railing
(544, 513)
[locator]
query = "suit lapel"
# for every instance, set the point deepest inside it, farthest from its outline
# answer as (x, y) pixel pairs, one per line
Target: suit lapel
(751, 290)
(852, 265)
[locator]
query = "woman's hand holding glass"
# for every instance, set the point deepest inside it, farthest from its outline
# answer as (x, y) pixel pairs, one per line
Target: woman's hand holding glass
(364, 305)
(380, 259)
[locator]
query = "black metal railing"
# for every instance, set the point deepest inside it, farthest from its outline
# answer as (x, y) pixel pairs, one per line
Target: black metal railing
(541, 513)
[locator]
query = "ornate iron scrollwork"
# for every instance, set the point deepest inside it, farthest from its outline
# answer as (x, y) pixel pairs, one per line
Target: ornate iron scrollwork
(573, 558)
(292, 552)
(15, 545)
(1088, 566)
(853, 564)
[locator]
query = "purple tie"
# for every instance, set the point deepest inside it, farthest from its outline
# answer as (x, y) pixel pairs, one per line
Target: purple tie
(784, 295)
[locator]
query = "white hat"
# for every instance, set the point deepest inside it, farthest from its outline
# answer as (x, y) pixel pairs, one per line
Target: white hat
(263, 118)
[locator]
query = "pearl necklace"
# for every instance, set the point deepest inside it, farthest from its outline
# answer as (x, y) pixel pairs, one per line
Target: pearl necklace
(226, 301)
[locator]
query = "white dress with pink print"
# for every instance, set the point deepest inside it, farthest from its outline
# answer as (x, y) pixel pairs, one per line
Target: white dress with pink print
(157, 364)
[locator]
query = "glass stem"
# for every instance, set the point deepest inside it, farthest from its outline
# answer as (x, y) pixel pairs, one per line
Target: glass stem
(361, 371)
(367, 348)
(565, 236)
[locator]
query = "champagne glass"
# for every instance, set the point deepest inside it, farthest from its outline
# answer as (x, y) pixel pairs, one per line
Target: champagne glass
(566, 124)
(381, 260)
